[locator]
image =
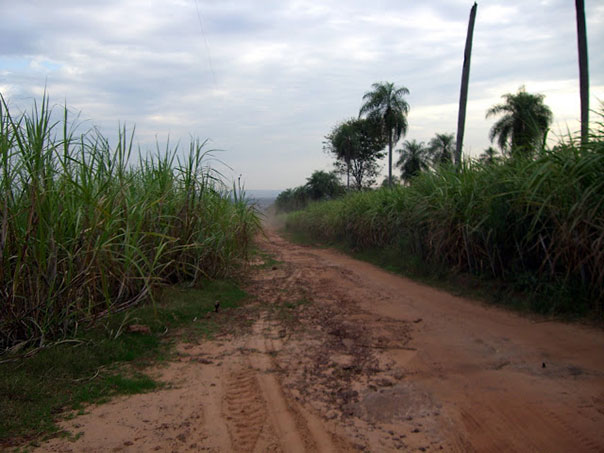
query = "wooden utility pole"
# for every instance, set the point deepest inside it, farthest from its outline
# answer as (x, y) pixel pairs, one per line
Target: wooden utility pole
(583, 69)
(465, 78)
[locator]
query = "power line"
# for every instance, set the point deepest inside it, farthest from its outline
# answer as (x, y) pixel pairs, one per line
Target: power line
(205, 40)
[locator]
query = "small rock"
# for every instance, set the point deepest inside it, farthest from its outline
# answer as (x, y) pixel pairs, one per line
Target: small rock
(139, 328)
(398, 375)
(384, 382)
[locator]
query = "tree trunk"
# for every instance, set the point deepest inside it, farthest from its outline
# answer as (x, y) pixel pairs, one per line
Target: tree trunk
(390, 159)
(465, 77)
(583, 69)
(348, 175)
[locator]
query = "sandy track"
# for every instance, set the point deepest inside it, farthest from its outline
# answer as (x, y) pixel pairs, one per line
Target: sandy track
(346, 357)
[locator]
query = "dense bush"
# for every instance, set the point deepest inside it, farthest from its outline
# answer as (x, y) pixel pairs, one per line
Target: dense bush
(84, 232)
(539, 221)
(319, 186)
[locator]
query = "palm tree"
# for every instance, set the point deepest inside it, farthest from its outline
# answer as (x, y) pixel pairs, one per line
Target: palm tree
(386, 104)
(524, 124)
(442, 147)
(489, 156)
(413, 160)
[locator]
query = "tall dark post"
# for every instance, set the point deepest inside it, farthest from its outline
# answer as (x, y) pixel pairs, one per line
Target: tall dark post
(583, 69)
(465, 77)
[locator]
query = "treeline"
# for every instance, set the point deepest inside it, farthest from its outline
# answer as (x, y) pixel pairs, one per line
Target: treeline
(319, 186)
(359, 143)
(529, 216)
(85, 232)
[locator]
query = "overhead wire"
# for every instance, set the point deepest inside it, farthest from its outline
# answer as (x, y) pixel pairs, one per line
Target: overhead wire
(205, 40)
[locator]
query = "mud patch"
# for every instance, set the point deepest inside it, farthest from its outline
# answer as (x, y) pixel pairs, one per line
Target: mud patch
(404, 401)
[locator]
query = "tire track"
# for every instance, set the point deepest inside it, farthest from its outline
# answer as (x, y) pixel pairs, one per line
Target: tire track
(244, 410)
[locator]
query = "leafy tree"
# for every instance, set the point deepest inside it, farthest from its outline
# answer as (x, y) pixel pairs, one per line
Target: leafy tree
(385, 103)
(323, 185)
(357, 146)
(292, 199)
(524, 124)
(341, 143)
(414, 159)
(442, 147)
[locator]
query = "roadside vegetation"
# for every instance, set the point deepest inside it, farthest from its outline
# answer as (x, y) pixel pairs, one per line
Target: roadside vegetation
(320, 186)
(528, 217)
(103, 254)
(86, 230)
(106, 359)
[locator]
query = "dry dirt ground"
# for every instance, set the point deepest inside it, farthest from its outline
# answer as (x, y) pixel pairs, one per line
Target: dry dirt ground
(343, 356)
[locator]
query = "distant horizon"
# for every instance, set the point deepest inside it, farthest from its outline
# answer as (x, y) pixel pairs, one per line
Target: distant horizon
(263, 191)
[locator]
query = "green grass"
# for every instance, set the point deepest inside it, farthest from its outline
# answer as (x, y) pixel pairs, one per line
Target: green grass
(105, 360)
(268, 260)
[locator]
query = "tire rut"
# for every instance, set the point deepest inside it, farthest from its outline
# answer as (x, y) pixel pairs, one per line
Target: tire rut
(244, 410)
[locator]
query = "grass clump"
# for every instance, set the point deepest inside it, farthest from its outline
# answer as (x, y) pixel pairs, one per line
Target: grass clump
(106, 360)
(86, 231)
(534, 224)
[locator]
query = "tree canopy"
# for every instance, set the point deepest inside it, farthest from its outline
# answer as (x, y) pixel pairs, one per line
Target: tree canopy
(489, 156)
(385, 103)
(413, 159)
(442, 148)
(357, 145)
(322, 185)
(524, 124)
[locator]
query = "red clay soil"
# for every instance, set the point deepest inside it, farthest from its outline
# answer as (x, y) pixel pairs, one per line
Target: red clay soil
(344, 356)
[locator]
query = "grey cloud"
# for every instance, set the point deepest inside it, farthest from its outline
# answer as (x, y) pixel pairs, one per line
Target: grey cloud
(276, 76)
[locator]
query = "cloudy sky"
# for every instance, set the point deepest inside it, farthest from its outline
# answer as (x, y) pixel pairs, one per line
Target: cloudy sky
(266, 80)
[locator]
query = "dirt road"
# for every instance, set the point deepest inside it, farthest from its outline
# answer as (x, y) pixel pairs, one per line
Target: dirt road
(343, 356)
